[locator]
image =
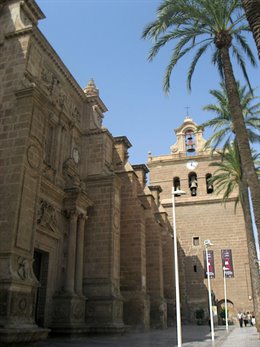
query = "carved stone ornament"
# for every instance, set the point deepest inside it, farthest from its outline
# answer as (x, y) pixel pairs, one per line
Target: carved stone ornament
(26, 83)
(78, 311)
(46, 216)
(57, 94)
(24, 269)
(71, 173)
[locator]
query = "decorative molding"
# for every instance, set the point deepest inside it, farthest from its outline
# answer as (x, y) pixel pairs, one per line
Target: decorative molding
(58, 97)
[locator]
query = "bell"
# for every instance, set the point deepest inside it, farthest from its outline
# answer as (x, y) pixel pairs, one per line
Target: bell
(193, 184)
(190, 146)
(210, 188)
(190, 149)
(193, 191)
(189, 138)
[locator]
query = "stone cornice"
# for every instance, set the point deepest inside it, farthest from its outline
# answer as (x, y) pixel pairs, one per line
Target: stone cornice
(179, 159)
(156, 188)
(141, 167)
(123, 139)
(168, 202)
(32, 10)
(97, 132)
(20, 32)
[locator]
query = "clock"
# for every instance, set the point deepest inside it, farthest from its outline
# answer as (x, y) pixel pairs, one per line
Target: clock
(191, 165)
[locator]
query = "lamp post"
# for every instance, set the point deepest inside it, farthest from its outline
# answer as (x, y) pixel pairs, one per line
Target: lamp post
(176, 267)
(207, 243)
(225, 297)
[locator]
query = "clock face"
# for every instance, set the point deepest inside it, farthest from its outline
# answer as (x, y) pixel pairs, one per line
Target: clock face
(191, 165)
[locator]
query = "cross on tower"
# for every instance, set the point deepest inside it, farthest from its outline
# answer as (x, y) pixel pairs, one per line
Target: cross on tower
(187, 107)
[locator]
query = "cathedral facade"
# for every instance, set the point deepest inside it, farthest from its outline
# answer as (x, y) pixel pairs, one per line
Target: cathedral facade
(86, 243)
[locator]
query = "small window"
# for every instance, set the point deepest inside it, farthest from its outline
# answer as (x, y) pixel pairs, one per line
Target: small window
(196, 241)
(195, 268)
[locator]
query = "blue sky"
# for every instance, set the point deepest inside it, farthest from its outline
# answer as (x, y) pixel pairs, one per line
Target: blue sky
(101, 39)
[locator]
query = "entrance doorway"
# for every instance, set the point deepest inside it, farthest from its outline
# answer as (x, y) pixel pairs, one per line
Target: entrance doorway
(40, 268)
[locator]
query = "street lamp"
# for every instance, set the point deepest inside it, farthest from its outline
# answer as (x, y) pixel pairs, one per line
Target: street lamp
(225, 296)
(176, 267)
(207, 243)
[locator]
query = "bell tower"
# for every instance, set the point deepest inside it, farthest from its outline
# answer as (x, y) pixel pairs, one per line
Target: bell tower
(189, 139)
(201, 215)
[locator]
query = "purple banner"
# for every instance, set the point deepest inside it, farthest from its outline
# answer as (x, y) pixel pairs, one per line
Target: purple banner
(211, 264)
(226, 255)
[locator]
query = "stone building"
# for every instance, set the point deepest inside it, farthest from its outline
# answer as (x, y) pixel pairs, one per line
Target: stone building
(85, 246)
(200, 216)
(85, 243)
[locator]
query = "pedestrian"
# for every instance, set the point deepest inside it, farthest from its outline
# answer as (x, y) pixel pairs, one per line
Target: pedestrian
(249, 318)
(245, 319)
(240, 319)
(253, 320)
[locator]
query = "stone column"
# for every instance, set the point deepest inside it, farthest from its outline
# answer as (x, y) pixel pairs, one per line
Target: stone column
(71, 254)
(79, 254)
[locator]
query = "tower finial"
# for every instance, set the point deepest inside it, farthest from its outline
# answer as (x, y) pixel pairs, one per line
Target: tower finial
(91, 89)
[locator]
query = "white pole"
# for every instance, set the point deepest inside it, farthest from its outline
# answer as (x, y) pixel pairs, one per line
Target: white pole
(225, 296)
(210, 302)
(176, 268)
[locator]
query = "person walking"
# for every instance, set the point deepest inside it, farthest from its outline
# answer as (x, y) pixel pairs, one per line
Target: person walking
(240, 319)
(245, 319)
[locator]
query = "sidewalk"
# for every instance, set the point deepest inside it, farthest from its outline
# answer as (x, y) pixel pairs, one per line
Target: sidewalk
(193, 336)
(242, 337)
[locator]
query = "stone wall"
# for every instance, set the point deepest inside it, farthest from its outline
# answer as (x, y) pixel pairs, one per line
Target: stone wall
(75, 218)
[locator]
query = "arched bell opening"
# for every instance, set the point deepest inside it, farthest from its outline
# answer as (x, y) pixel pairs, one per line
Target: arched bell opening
(193, 183)
(209, 184)
(190, 142)
(176, 184)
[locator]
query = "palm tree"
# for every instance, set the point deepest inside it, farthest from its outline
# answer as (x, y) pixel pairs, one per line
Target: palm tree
(199, 25)
(229, 176)
(221, 124)
(227, 179)
(252, 9)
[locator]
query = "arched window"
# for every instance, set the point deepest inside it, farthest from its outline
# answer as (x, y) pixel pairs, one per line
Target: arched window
(209, 185)
(193, 183)
(176, 184)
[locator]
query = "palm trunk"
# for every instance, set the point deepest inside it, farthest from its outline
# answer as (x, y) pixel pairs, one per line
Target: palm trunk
(241, 135)
(252, 254)
(252, 9)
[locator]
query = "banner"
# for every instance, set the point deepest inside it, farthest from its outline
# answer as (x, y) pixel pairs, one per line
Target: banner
(211, 264)
(226, 256)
